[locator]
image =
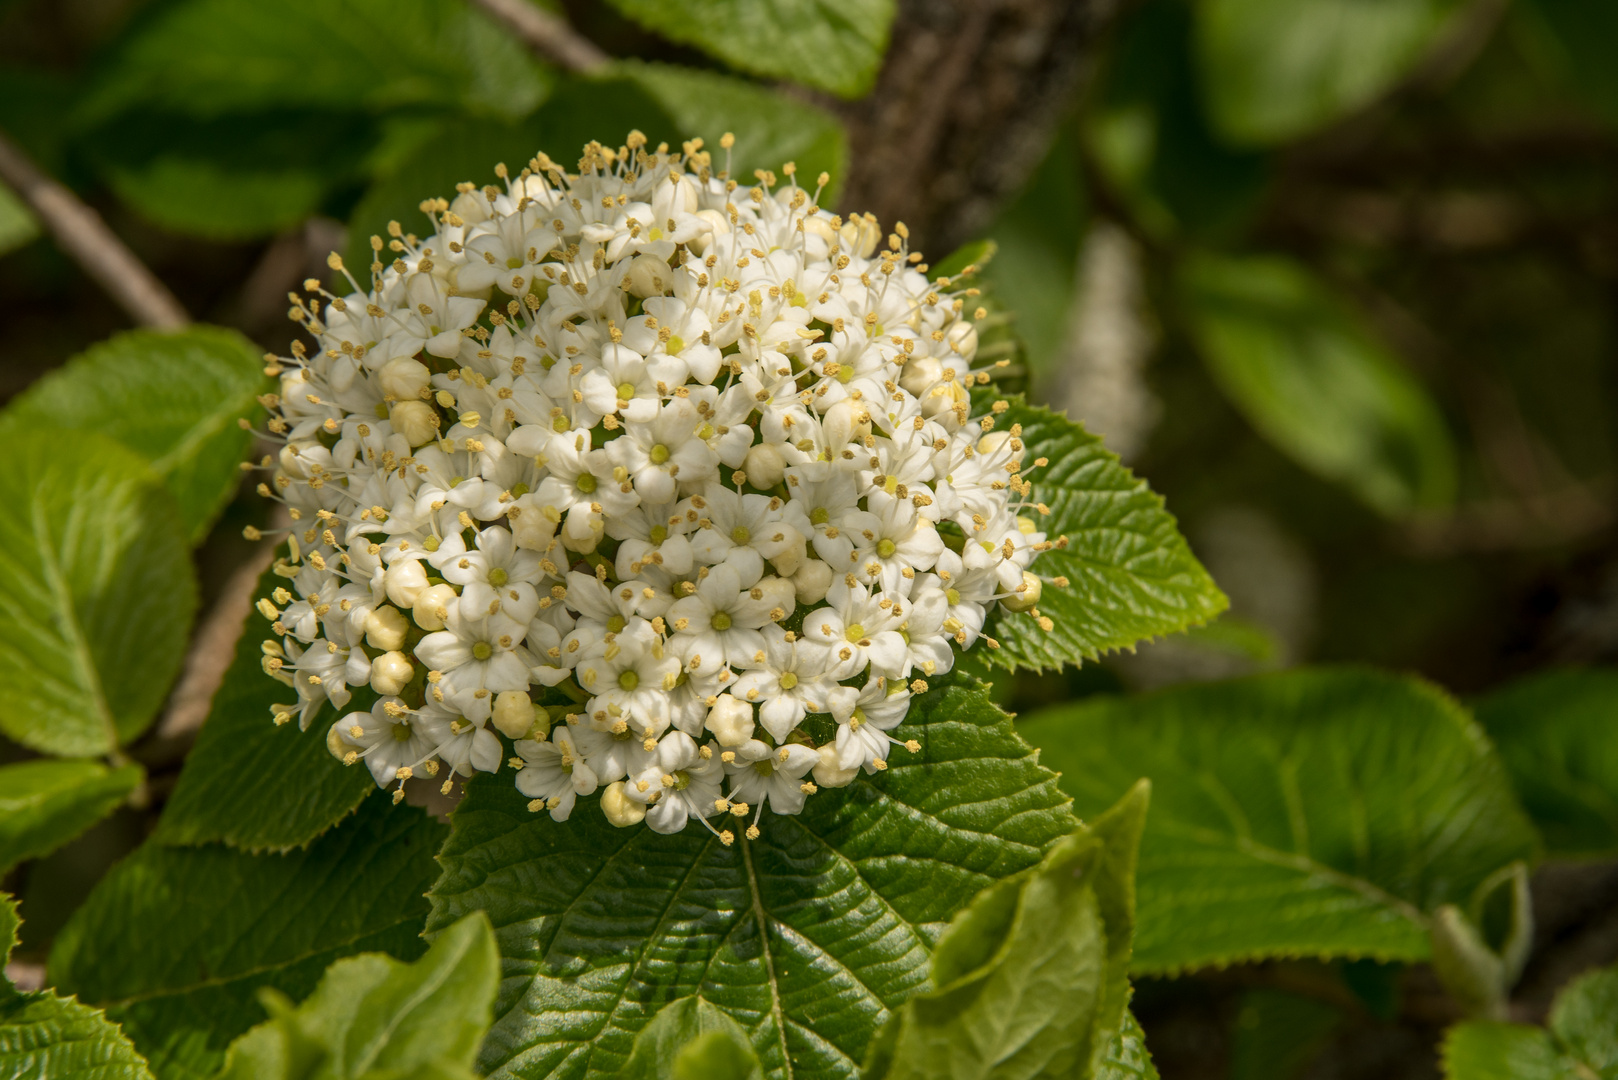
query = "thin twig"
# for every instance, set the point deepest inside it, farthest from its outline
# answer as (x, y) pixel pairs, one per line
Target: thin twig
(80, 232)
(545, 34)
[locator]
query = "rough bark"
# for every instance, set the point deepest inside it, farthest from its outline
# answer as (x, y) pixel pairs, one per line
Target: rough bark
(964, 108)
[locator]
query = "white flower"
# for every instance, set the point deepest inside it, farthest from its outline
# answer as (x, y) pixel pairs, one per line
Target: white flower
(465, 747)
(554, 774)
(681, 782)
(794, 679)
(630, 675)
(720, 624)
(475, 659)
(760, 773)
(387, 738)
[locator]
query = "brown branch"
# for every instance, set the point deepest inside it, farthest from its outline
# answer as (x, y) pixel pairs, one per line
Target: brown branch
(82, 235)
(550, 37)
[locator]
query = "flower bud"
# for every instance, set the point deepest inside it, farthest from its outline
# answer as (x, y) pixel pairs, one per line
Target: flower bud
(432, 606)
(730, 720)
(648, 276)
(620, 809)
(385, 627)
(845, 422)
(404, 378)
(860, 235)
(415, 420)
(582, 531)
(334, 741)
(531, 527)
(405, 581)
(821, 227)
(764, 466)
(996, 442)
(718, 224)
(1026, 596)
(963, 338)
(811, 582)
(829, 772)
(920, 375)
(391, 672)
(513, 714)
(471, 207)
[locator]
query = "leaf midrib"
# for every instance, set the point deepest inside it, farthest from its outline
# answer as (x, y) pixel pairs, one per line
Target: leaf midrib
(69, 623)
(763, 919)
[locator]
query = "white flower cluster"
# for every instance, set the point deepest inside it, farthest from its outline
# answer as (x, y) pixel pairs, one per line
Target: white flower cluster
(639, 468)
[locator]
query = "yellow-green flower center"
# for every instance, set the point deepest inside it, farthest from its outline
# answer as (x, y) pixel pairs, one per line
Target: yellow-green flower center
(628, 679)
(854, 632)
(626, 390)
(764, 767)
(615, 624)
(788, 680)
(885, 548)
(675, 344)
(585, 483)
(482, 650)
(720, 620)
(953, 596)
(659, 454)
(513, 262)
(401, 732)
(682, 780)
(819, 516)
(659, 533)
(740, 535)
(498, 577)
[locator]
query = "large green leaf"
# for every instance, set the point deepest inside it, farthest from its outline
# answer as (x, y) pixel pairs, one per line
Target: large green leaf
(807, 936)
(1315, 382)
(1273, 70)
(1554, 732)
(667, 104)
(372, 1016)
(1031, 979)
(42, 1035)
(1126, 1058)
(1130, 574)
(98, 592)
(236, 785)
(174, 398)
(44, 804)
(1581, 1042)
(175, 943)
(834, 45)
(214, 57)
(1316, 812)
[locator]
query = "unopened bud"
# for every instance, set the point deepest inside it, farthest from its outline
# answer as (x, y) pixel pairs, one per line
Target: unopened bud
(620, 809)
(386, 627)
(648, 276)
(405, 581)
(764, 466)
(391, 672)
(432, 606)
(829, 771)
(811, 582)
(415, 420)
(513, 714)
(730, 720)
(405, 378)
(1027, 596)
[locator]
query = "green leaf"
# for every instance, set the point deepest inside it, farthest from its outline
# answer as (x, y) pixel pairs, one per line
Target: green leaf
(1554, 732)
(175, 398)
(1315, 382)
(1273, 70)
(1310, 813)
(208, 58)
(1582, 1042)
(807, 936)
(17, 225)
(667, 104)
(1030, 980)
(175, 943)
(42, 1035)
(1278, 1034)
(374, 1016)
(44, 804)
(692, 1038)
(1130, 574)
(1150, 142)
(834, 45)
(237, 785)
(1126, 1057)
(98, 596)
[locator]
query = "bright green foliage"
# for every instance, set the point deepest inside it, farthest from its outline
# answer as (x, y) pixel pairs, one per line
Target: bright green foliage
(1314, 381)
(1278, 1034)
(1319, 813)
(1273, 70)
(1555, 734)
(834, 45)
(1126, 1057)
(17, 225)
(42, 1035)
(692, 1038)
(806, 936)
(44, 804)
(174, 398)
(1130, 574)
(234, 787)
(667, 104)
(1030, 980)
(374, 1017)
(176, 942)
(1150, 141)
(1581, 1042)
(207, 58)
(98, 594)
